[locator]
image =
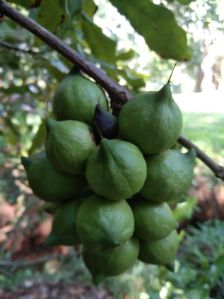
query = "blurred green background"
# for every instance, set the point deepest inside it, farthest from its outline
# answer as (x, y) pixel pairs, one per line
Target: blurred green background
(121, 43)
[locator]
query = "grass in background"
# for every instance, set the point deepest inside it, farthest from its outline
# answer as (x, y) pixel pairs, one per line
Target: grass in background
(206, 131)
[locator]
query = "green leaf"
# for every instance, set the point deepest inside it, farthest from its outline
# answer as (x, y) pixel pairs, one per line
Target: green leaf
(134, 80)
(9, 59)
(126, 55)
(13, 34)
(89, 7)
(158, 26)
(73, 7)
(51, 14)
(39, 138)
(185, 2)
(185, 209)
(102, 47)
(13, 89)
(25, 3)
(12, 132)
(44, 63)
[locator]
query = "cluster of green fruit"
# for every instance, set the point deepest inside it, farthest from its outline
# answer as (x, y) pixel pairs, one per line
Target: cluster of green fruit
(107, 180)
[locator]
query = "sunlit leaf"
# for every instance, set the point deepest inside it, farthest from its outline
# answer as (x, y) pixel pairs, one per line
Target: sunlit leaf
(185, 2)
(158, 26)
(102, 46)
(12, 132)
(89, 7)
(126, 55)
(39, 138)
(185, 209)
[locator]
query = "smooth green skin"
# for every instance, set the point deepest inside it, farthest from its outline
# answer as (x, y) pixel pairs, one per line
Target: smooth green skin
(68, 145)
(102, 223)
(116, 169)
(160, 252)
(112, 261)
(63, 230)
(151, 120)
(76, 99)
(169, 175)
(152, 221)
(50, 184)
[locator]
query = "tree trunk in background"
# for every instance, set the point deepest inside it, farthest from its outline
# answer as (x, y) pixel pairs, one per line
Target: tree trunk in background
(199, 78)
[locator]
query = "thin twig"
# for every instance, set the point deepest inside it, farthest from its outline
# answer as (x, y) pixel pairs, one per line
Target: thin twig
(218, 170)
(12, 47)
(119, 95)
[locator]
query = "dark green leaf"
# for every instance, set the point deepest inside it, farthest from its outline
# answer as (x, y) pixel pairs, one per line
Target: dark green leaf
(13, 89)
(51, 14)
(9, 59)
(9, 33)
(73, 7)
(102, 47)
(158, 26)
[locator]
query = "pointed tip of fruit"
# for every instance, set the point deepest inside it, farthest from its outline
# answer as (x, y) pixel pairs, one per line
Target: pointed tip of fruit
(170, 266)
(50, 123)
(99, 111)
(103, 146)
(98, 108)
(191, 154)
(26, 162)
(104, 140)
(51, 240)
(112, 241)
(166, 87)
(97, 278)
(165, 92)
(50, 208)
